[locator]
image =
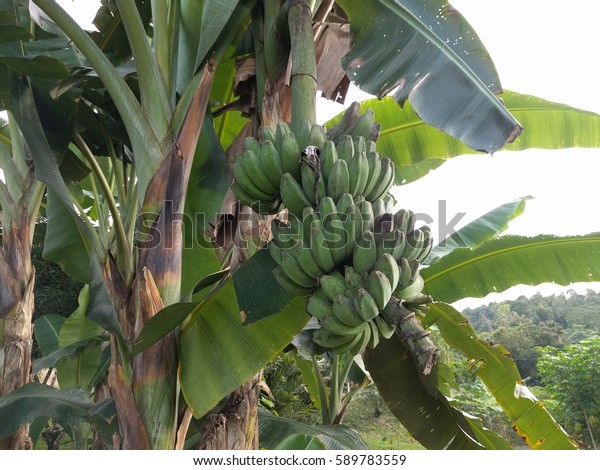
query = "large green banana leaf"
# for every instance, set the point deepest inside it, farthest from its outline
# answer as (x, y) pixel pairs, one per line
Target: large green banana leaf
(426, 52)
(217, 354)
(417, 147)
(493, 365)
(489, 225)
(34, 400)
(274, 430)
(431, 420)
(504, 262)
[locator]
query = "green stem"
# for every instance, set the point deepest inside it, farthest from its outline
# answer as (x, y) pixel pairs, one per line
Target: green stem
(304, 64)
(139, 129)
(117, 170)
(322, 391)
(152, 85)
(124, 258)
(18, 148)
(334, 397)
(12, 176)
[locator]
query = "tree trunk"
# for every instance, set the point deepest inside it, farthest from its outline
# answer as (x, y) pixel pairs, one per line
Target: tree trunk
(16, 310)
(236, 426)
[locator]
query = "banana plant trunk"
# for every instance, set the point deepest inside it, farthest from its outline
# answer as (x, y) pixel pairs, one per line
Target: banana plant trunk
(16, 310)
(236, 426)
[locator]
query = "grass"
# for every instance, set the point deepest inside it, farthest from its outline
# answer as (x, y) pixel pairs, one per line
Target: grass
(369, 416)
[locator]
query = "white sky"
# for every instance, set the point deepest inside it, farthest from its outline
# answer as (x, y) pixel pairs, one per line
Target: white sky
(543, 48)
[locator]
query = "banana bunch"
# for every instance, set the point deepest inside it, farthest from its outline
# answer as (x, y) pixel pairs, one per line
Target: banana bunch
(315, 244)
(347, 313)
(260, 170)
(350, 167)
(355, 124)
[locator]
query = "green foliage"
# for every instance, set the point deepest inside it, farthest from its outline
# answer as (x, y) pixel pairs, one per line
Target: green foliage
(572, 377)
(523, 325)
(288, 395)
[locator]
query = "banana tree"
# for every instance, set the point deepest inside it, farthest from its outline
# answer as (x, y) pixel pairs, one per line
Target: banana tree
(150, 136)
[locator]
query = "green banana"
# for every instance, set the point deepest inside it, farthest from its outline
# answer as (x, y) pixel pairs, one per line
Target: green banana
(378, 285)
(388, 266)
(344, 348)
(360, 145)
(281, 131)
(290, 155)
(390, 202)
(269, 207)
(344, 310)
(393, 243)
(406, 275)
(302, 132)
(374, 161)
(293, 195)
(365, 305)
(308, 217)
(292, 268)
(364, 255)
(317, 306)
(358, 170)
(370, 145)
(378, 207)
(317, 136)
(305, 259)
(280, 232)
(339, 180)
(364, 124)
(332, 285)
(385, 329)
(256, 171)
(320, 248)
(384, 182)
(361, 345)
(328, 158)
(415, 242)
(348, 121)
(333, 324)
(384, 223)
(411, 291)
(345, 148)
(404, 220)
(250, 143)
(329, 340)
(244, 180)
(353, 227)
(353, 278)
(268, 133)
(345, 201)
(368, 216)
(334, 228)
(272, 163)
(312, 183)
(427, 244)
(288, 285)
(374, 340)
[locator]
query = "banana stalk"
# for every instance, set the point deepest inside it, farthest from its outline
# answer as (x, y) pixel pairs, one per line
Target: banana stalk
(416, 338)
(304, 64)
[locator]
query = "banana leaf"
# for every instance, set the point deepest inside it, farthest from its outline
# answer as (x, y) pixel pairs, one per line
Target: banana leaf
(218, 354)
(417, 147)
(276, 430)
(431, 420)
(493, 365)
(429, 54)
(498, 264)
(488, 226)
(68, 406)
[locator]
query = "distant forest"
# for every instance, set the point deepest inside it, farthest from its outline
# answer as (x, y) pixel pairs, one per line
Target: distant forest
(524, 324)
